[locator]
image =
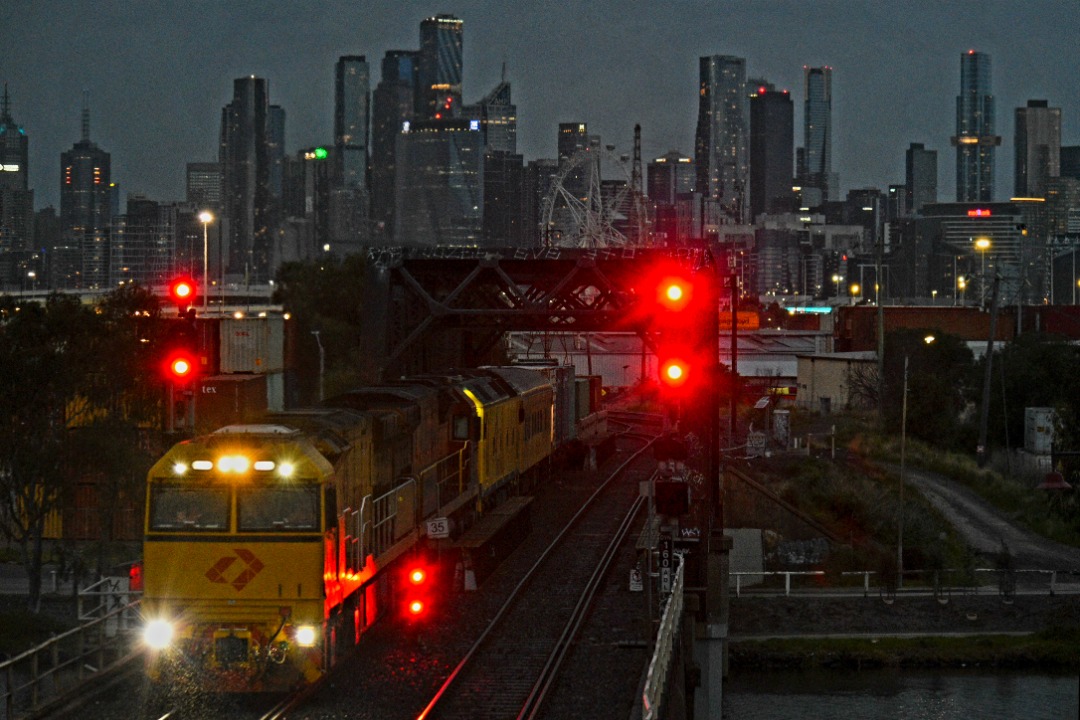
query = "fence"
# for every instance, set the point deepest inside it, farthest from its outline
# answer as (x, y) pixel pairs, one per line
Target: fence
(975, 581)
(656, 679)
(63, 663)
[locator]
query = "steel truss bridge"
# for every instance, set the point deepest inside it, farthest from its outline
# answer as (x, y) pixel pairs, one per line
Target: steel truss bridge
(434, 308)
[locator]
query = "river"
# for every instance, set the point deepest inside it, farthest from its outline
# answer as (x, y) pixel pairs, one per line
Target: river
(951, 695)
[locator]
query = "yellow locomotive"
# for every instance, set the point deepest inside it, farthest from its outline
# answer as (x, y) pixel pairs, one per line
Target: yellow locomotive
(270, 547)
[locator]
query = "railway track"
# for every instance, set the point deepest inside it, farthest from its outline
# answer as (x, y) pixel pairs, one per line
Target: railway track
(513, 664)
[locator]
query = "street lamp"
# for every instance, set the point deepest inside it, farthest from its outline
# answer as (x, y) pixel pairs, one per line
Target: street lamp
(961, 283)
(903, 445)
(836, 282)
(982, 245)
(205, 217)
(855, 289)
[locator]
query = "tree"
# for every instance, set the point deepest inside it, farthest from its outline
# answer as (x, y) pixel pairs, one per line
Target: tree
(69, 368)
(325, 296)
(937, 383)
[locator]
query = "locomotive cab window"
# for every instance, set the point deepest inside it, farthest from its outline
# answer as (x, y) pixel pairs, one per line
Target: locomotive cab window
(281, 509)
(186, 507)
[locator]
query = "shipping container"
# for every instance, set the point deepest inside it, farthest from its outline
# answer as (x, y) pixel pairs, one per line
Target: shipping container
(228, 400)
(253, 344)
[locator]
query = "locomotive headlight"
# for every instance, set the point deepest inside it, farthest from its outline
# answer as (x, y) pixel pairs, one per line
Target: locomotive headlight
(179, 468)
(233, 463)
(286, 470)
(158, 634)
(305, 635)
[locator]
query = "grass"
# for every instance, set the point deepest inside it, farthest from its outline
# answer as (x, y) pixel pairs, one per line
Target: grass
(1051, 649)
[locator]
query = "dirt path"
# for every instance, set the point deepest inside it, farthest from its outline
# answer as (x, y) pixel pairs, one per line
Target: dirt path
(985, 528)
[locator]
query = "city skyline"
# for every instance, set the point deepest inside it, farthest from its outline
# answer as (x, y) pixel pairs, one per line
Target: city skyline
(158, 74)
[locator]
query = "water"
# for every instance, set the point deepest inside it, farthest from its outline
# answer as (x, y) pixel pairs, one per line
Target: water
(882, 694)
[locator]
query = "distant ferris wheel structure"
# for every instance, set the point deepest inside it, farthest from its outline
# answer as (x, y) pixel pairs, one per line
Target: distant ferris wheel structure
(583, 210)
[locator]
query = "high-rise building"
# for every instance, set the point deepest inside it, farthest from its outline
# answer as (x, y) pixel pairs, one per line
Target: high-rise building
(275, 150)
(1070, 161)
(393, 104)
(920, 177)
(204, 185)
(86, 204)
(504, 183)
(668, 176)
(772, 147)
(722, 136)
(1038, 148)
(975, 140)
(439, 69)
(245, 181)
(815, 169)
(351, 118)
(439, 183)
(16, 199)
(498, 119)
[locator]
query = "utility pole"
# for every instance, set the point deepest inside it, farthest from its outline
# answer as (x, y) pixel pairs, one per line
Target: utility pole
(984, 412)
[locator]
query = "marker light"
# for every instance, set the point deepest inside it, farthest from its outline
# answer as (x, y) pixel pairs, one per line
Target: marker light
(305, 636)
(158, 634)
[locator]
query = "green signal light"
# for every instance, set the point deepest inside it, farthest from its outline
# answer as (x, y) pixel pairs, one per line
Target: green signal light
(320, 153)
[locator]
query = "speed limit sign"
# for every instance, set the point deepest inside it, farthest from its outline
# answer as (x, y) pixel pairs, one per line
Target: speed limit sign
(438, 528)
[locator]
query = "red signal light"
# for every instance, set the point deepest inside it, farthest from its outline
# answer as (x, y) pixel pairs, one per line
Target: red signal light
(180, 366)
(674, 372)
(674, 293)
(182, 292)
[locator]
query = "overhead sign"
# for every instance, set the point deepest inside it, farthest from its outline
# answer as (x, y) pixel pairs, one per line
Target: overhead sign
(744, 319)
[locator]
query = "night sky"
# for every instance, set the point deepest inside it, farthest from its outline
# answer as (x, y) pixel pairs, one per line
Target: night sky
(159, 73)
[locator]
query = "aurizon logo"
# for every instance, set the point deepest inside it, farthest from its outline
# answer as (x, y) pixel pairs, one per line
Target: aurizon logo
(252, 566)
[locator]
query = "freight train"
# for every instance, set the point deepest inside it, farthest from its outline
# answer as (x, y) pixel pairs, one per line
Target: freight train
(269, 548)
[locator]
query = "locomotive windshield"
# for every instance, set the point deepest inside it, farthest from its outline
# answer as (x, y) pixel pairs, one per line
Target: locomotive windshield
(183, 507)
(278, 508)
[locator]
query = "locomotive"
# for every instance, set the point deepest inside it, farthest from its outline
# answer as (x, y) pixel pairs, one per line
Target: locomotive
(269, 548)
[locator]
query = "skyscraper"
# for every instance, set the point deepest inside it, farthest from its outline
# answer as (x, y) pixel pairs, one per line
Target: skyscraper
(439, 183)
(920, 178)
(1038, 148)
(16, 199)
(393, 104)
(975, 140)
(245, 183)
(816, 170)
(439, 70)
(351, 118)
(722, 135)
(772, 147)
(86, 198)
(498, 119)
(204, 185)
(669, 176)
